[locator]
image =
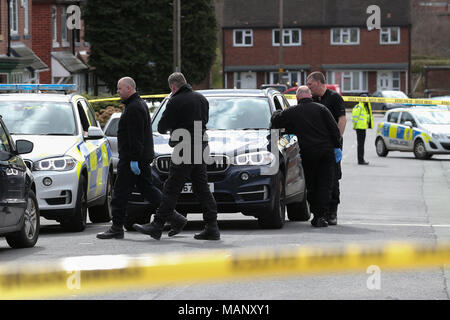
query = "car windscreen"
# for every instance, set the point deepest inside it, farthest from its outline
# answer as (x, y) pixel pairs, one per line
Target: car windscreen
(38, 117)
(395, 94)
(233, 113)
(433, 117)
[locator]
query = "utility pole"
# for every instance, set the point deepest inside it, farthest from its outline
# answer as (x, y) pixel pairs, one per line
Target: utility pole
(280, 70)
(176, 36)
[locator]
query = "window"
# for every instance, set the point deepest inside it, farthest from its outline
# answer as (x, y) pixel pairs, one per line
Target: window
(243, 38)
(349, 81)
(14, 17)
(291, 37)
(54, 28)
(25, 17)
(288, 78)
(406, 116)
(390, 35)
(4, 141)
(393, 117)
(345, 36)
(64, 40)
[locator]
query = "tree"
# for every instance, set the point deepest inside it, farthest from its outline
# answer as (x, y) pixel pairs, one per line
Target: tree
(134, 38)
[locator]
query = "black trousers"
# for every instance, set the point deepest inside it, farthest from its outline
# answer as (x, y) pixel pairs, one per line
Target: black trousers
(319, 167)
(178, 175)
(123, 187)
(361, 138)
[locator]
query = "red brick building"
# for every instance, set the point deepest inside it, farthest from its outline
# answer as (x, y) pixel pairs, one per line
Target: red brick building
(322, 35)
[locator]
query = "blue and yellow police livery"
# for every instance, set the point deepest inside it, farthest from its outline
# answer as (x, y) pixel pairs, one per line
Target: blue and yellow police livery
(422, 130)
(71, 160)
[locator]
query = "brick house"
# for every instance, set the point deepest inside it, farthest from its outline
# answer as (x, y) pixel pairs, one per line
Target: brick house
(18, 62)
(322, 35)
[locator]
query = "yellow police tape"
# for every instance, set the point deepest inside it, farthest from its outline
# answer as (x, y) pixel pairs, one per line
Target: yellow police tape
(346, 98)
(101, 274)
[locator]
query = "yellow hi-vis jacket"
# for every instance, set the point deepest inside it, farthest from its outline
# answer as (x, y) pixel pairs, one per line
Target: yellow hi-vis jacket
(362, 117)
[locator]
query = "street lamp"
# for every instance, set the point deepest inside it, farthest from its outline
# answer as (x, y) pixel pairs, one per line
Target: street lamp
(176, 36)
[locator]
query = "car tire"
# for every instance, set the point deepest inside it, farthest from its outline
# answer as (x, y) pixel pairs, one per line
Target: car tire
(77, 222)
(103, 213)
(380, 147)
(28, 235)
(299, 211)
(419, 150)
(274, 219)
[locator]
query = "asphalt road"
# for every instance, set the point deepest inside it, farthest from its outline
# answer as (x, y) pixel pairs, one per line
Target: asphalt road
(397, 198)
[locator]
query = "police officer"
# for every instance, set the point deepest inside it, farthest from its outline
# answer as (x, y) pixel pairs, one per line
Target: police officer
(362, 120)
(318, 136)
(135, 146)
(186, 115)
(334, 102)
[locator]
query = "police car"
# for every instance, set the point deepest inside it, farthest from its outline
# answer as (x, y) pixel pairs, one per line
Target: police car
(71, 160)
(422, 130)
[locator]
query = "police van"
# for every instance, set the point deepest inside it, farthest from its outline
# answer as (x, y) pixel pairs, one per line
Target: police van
(71, 160)
(425, 131)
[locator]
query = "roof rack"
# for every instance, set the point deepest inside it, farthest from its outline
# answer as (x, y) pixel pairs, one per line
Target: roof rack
(38, 87)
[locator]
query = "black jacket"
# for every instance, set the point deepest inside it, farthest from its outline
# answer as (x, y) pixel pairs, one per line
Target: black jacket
(311, 122)
(134, 135)
(183, 109)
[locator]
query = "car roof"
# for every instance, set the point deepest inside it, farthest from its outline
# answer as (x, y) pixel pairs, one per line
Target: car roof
(238, 92)
(53, 97)
(415, 108)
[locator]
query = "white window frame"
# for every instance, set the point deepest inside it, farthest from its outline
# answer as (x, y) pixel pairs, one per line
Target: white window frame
(342, 33)
(289, 74)
(363, 80)
(64, 31)
(388, 30)
(14, 17)
(287, 33)
(245, 33)
(55, 27)
(26, 20)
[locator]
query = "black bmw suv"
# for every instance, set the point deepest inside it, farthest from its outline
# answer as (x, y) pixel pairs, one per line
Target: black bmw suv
(19, 211)
(256, 170)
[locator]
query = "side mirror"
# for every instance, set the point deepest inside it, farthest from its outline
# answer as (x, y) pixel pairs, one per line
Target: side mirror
(94, 133)
(408, 123)
(24, 146)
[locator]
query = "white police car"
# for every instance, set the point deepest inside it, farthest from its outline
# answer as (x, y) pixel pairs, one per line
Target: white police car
(422, 130)
(71, 160)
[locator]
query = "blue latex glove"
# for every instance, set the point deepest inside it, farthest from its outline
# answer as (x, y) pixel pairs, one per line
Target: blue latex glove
(135, 167)
(338, 154)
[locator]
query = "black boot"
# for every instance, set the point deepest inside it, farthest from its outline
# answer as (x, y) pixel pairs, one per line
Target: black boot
(177, 223)
(211, 232)
(114, 232)
(319, 222)
(332, 218)
(153, 229)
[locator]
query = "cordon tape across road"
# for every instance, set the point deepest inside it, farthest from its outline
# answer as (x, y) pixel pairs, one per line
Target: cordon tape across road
(107, 273)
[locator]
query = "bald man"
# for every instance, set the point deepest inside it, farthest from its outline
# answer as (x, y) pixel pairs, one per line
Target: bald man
(318, 135)
(135, 146)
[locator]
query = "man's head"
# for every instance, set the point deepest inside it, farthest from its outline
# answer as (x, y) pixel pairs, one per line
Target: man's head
(303, 92)
(176, 81)
(126, 87)
(316, 83)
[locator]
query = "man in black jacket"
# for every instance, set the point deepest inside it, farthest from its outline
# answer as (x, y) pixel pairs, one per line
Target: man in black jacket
(135, 146)
(186, 116)
(318, 136)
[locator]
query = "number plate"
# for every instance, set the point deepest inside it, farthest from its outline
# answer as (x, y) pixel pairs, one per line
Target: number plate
(188, 188)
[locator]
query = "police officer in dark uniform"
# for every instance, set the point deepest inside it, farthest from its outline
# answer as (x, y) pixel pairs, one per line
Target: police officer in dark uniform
(186, 115)
(334, 102)
(319, 140)
(135, 146)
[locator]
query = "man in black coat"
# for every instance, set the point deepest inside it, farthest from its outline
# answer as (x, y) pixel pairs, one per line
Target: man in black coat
(186, 116)
(318, 136)
(135, 146)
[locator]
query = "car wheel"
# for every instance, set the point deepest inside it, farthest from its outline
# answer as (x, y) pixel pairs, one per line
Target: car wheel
(299, 211)
(77, 222)
(28, 235)
(380, 146)
(274, 219)
(419, 150)
(103, 213)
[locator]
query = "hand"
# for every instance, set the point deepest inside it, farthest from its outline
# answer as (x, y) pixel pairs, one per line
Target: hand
(135, 167)
(338, 154)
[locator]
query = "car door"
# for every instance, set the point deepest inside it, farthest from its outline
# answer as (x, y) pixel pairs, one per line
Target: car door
(289, 147)
(13, 197)
(405, 132)
(390, 130)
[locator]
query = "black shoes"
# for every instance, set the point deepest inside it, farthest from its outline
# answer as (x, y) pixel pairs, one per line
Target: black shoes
(177, 224)
(151, 229)
(363, 162)
(112, 233)
(332, 219)
(211, 232)
(319, 222)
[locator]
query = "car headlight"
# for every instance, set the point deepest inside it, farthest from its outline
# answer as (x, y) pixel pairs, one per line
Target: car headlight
(438, 136)
(254, 159)
(55, 164)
